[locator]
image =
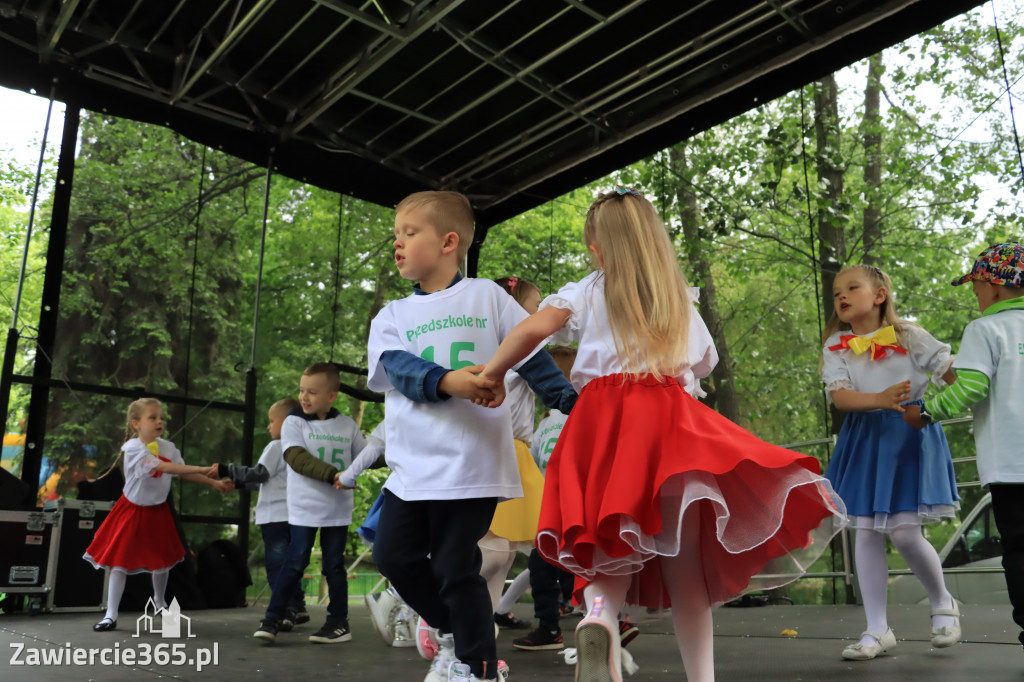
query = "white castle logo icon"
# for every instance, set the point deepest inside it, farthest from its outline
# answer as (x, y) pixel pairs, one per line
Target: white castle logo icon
(170, 619)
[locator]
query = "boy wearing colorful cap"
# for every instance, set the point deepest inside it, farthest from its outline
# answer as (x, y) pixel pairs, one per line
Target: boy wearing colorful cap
(989, 376)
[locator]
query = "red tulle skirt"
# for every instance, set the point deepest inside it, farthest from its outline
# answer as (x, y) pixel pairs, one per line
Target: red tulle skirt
(635, 455)
(137, 539)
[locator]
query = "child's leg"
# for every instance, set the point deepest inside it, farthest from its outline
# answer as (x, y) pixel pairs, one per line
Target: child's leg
(516, 590)
(400, 551)
(290, 574)
(924, 561)
(160, 588)
(456, 528)
(332, 542)
(494, 568)
(873, 578)
(1008, 509)
(683, 576)
(115, 589)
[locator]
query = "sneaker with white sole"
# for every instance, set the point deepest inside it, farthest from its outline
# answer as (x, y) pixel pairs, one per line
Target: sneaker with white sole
(444, 659)
(599, 647)
(333, 632)
(426, 640)
(268, 630)
(460, 672)
(383, 607)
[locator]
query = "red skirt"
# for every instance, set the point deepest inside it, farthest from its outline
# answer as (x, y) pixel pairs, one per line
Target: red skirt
(635, 455)
(136, 539)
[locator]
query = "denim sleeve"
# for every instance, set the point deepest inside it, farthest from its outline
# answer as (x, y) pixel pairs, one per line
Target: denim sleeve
(415, 378)
(548, 382)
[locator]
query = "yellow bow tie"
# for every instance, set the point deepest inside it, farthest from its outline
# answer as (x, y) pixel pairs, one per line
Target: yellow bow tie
(877, 343)
(154, 448)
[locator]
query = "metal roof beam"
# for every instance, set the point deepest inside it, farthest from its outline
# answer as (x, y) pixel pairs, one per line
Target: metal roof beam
(362, 17)
(236, 33)
(67, 8)
(352, 79)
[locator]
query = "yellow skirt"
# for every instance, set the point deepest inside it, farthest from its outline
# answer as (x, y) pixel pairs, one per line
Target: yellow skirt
(516, 520)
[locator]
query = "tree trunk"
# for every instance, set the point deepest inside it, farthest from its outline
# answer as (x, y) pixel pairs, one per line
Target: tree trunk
(872, 135)
(722, 395)
(831, 214)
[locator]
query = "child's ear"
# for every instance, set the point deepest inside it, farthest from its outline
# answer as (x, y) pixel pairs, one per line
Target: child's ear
(450, 243)
(881, 295)
(334, 396)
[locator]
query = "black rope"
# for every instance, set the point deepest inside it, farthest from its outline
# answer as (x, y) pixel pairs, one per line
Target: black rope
(192, 286)
(337, 273)
(1009, 95)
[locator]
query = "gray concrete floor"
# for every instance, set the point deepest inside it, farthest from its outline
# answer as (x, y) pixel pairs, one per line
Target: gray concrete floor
(748, 646)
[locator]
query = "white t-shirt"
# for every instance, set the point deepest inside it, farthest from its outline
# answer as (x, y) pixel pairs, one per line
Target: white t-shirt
(523, 404)
(452, 449)
(142, 485)
(994, 345)
(596, 355)
(272, 503)
(366, 457)
(544, 439)
(334, 440)
(925, 354)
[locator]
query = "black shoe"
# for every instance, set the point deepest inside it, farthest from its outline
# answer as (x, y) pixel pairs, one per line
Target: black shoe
(540, 639)
(268, 630)
(332, 632)
(288, 622)
(627, 632)
(509, 621)
(301, 616)
(105, 625)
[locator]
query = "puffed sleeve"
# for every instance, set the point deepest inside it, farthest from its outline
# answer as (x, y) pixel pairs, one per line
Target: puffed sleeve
(928, 352)
(571, 297)
(700, 346)
(138, 458)
(834, 370)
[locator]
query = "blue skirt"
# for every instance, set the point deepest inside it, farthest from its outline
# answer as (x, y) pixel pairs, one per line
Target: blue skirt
(890, 474)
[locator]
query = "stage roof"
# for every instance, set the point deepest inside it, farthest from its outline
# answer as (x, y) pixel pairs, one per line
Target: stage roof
(512, 103)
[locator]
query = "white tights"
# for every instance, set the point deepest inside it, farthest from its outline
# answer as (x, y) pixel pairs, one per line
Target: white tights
(115, 590)
(683, 577)
(873, 574)
(495, 567)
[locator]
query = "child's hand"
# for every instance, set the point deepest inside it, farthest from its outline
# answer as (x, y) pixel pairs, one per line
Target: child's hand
(224, 486)
(338, 485)
(912, 415)
(495, 386)
(463, 383)
(212, 471)
(890, 398)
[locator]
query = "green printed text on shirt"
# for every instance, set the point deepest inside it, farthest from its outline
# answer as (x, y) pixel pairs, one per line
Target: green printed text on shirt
(442, 323)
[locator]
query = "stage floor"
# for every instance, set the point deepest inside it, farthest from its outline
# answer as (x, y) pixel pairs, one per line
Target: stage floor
(748, 647)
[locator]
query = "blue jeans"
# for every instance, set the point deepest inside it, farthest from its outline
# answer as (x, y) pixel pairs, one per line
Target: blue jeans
(289, 577)
(275, 542)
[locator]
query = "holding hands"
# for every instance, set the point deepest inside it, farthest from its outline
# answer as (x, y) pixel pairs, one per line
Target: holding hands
(464, 383)
(912, 415)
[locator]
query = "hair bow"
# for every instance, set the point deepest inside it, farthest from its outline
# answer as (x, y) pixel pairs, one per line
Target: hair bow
(512, 282)
(154, 449)
(632, 191)
(878, 343)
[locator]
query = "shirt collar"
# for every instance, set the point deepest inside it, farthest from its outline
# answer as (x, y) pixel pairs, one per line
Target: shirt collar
(1008, 304)
(419, 292)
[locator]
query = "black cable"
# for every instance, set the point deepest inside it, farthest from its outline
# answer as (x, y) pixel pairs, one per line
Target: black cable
(1006, 81)
(337, 274)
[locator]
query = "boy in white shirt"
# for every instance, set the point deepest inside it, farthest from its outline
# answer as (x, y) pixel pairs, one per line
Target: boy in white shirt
(989, 375)
(318, 443)
(451, 460)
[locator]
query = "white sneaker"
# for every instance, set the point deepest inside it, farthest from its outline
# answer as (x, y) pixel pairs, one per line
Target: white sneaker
(383, 607)
(460, 672)
(404, 627)
(444, 659)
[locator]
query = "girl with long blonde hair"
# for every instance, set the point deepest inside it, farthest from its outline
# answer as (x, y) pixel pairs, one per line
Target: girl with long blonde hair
(651, 498)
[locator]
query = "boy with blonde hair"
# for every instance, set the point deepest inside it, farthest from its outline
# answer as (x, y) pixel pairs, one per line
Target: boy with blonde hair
(989, 375)
(451, 460)
(318, 443)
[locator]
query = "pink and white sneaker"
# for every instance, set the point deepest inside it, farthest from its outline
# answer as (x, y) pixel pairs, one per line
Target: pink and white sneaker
(426, 640)
(599, 649)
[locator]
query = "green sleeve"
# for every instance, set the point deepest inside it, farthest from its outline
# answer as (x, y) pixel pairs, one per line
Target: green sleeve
(970, 387)
(306, 464)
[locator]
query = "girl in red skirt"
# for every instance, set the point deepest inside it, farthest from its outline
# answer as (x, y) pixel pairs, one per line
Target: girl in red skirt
(651, 498)
(139, 534)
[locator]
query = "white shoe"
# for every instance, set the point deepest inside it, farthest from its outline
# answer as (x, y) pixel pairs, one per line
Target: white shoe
(404, 627)
(950, 635)
(599, 648)
(444, 659)
(862, 652)
(460, 672)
